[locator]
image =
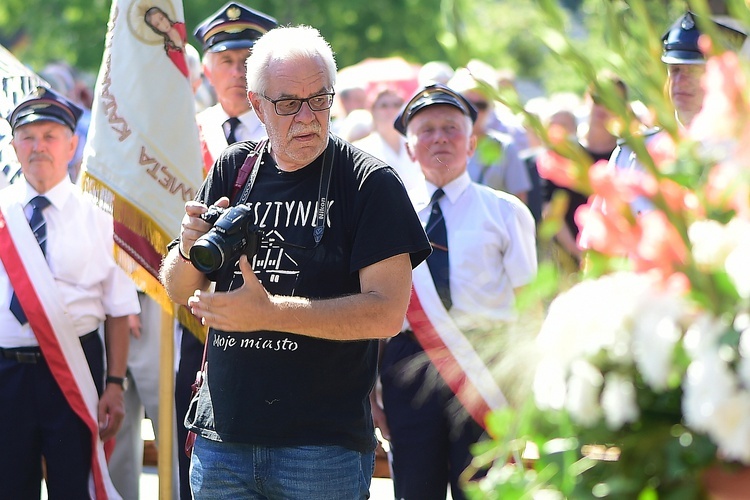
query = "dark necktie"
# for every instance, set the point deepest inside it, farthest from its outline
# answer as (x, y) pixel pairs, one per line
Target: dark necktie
(39, 226)
(438, 259)
(233, 123)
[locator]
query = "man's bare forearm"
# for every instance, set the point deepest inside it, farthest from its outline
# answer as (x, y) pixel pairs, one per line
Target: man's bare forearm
(180, 278)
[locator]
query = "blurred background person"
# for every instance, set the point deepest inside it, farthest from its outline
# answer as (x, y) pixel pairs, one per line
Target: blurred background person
(434, 72)
(351, 96)
(496, 162)
(226, 38)
(386, 143)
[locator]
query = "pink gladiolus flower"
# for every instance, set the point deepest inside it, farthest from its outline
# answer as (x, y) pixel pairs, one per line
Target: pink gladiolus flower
(661, 247)
(662, 149)
(724, 106)
(556, 168)
(607, 231)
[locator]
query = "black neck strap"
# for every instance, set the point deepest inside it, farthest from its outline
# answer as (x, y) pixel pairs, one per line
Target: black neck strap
(321, 207)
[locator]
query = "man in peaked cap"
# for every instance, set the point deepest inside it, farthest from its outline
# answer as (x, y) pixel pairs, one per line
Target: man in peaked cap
(51, 354)
(474, 231)
(686, 63)
(227, 38)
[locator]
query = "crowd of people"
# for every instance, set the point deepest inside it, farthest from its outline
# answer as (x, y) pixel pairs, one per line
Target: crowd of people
(424, 204)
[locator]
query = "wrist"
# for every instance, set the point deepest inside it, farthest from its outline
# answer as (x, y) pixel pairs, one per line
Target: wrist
(184, 257)
(121, 381)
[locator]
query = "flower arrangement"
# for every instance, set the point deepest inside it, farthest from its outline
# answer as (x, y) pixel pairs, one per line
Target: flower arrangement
(642, 374)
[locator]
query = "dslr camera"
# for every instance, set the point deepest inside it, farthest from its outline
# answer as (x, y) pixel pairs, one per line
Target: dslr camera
(231, 236)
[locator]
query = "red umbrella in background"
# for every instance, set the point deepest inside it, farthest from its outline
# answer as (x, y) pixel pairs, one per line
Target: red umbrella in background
(374, 72)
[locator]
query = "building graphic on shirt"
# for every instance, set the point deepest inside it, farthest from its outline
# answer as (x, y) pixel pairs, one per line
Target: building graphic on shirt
(273, 260)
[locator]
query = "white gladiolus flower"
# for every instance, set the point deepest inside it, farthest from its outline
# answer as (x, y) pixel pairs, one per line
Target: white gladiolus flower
(584, 386)
(712, 242)
(743, 367)
(656, 331)
(738, 266)
(730, 428)
(709, 383)
(592, 316)
(703, 335)
(549, 385)
(619, 401)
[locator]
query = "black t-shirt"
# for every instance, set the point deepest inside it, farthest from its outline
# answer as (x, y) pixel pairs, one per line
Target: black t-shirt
(281, 389)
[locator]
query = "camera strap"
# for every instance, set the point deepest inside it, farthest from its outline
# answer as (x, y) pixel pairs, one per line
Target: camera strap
(252, 165)
(325, 184)
(249, 169)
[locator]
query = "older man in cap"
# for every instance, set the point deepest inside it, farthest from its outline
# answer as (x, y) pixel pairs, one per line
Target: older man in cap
(291, 354)
(227, 38)
(483, 253)
(56, 402)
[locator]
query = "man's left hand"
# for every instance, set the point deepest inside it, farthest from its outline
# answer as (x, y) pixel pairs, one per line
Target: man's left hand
(111, 411)
(242, 310)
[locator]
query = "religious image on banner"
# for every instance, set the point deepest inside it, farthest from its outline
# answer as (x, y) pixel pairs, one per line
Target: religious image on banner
(142, 160)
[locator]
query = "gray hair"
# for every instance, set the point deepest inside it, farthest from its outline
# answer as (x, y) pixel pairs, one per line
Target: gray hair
(284, 44)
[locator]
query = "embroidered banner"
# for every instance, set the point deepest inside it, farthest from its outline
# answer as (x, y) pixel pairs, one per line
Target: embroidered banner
(143, 159)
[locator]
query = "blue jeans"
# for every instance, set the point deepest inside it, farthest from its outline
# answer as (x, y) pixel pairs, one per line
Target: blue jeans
(230, 471)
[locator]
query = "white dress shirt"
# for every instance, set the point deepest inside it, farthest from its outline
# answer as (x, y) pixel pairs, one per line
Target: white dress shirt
(211, 123)
(79, 251)
(408, 170)
(492, 248)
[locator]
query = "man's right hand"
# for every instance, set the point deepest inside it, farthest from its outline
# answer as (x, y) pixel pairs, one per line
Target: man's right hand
(193, 227)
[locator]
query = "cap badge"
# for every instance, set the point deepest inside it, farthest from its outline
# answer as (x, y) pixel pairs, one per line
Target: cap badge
(233, 13)
(687, 22)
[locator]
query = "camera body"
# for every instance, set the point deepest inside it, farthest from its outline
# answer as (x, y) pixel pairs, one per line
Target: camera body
(231, 236)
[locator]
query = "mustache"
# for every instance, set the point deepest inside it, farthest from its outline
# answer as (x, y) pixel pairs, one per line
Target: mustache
(302, 129)
(40, 156)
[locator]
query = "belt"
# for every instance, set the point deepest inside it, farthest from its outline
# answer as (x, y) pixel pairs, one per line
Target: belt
(33, 354)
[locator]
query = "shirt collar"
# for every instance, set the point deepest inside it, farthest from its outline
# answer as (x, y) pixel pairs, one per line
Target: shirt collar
(57, 196)
(453, 189)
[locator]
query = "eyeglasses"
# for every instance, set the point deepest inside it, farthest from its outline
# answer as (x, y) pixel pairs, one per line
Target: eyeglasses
(287, 107)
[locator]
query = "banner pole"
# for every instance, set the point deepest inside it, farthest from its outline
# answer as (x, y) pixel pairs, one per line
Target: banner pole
(166, 407)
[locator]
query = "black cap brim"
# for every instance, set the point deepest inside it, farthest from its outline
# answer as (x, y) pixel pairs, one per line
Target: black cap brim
(231, 45)
(682, 57)
(433, 95)
(34, 118)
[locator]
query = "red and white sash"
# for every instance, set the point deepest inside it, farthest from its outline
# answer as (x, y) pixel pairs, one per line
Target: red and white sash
(449, 350)
(37, 292)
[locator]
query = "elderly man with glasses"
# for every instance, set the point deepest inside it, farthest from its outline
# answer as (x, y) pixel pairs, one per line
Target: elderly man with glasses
(292, 347)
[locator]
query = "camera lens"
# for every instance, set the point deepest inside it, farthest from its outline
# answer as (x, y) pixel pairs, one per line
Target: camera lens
(206, 256)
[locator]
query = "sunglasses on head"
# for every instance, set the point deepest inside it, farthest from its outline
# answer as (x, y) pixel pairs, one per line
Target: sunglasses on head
(480, 105)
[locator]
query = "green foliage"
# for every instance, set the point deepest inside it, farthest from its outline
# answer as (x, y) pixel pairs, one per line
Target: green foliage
(502, 33)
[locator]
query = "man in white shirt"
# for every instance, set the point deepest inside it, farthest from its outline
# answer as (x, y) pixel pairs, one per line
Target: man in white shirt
(58, 283)
(484, 251)
(227, 38)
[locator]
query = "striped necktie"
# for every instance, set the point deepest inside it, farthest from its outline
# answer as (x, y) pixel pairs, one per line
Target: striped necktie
(39, 226)
(437, 262)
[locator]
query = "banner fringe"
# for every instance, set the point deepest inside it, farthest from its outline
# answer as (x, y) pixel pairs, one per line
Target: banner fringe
(125, 212)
